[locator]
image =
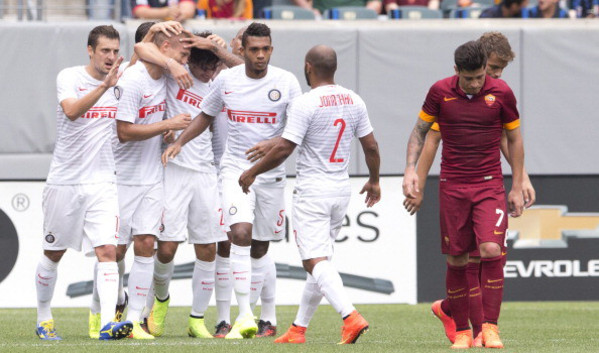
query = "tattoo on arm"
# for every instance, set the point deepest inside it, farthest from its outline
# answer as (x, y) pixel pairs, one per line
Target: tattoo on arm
(416, 141)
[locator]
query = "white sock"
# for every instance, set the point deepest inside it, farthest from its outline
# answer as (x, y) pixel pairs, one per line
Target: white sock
(140, 280)
(45, 281)
(223, 289)
(267, 296)
(311, 297)
(108, 285)
(257, 281)
(241, 269)
(95, 306)
(331, 286)
(149, 303)
(203, 286)
(162, 277)
(121, 265)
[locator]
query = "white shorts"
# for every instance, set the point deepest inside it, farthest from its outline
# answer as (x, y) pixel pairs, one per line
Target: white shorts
(141, 210)
(80, 216)
(223, 220)
(191, 203)
(316, 224)
(264, 207)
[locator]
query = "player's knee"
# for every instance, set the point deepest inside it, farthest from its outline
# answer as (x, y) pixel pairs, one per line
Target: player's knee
(121, 250)
(54, 255)
(166, 251)
(259, 249)
(459, 260)
(489, 249)
(205, 252)
(224, 248)
(242, 237)
(143, 245)
(106, 253)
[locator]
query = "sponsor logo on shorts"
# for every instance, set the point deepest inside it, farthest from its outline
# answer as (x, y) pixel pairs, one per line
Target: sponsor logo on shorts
(274, 95)
(161, 228)
(50, 238)
(497, 233)
(232, 210)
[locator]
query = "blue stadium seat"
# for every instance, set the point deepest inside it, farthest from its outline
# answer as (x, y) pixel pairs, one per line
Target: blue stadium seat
(287, 12)
(350, 13)
(414, 13)
(467, 12)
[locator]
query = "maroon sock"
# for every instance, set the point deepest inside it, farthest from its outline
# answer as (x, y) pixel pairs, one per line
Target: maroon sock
(492, 287)
(476, 302)
(457, 293)
(446, 307)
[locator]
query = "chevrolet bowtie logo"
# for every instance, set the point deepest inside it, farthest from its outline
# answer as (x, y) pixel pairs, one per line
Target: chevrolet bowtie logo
(548, 223)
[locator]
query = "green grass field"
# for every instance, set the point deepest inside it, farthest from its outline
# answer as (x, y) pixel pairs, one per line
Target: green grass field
(525, 327)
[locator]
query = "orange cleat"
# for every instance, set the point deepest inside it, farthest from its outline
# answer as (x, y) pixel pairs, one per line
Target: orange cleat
(491, 336)
(295, 334)
(478, 341)
(447, 321)
(353, 327)
(463, 340)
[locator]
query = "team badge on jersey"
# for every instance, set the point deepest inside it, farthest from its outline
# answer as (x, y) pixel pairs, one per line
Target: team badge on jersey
(118, 91)
(490, 100)
(50, 238)
(274, 95)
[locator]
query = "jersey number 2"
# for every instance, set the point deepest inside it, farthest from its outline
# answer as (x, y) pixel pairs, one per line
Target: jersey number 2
(332, 159)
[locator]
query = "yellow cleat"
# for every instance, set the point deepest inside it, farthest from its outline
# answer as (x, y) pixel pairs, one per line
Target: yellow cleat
(491, 336)
(197, 328)
(463, 340)
(94, 325)
(244, 327)
(138, 333)
(158, 316)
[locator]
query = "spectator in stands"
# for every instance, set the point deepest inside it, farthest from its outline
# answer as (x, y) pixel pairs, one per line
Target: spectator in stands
(546, 9)
(584, 8)
(390, 5)
(241, 9)
(506, 9)
(178, 10)
(319, 6)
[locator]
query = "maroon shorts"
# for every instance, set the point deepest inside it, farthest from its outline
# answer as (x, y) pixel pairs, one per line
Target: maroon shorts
(471, 214)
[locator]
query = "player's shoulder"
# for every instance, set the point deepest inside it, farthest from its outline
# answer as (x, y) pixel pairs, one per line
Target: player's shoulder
(445, 83)
(277, 72)
(133, 75)
(498, 86)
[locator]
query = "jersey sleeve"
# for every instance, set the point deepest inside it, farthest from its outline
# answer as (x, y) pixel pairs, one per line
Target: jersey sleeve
(213, 103)
(430, 108)
(363, 126)
(435, 127)
(510, 118)
(66, 85)
(298, 120)
(129, 103)
(295, 89)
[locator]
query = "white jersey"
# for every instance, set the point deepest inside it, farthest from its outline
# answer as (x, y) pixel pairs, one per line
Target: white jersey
(196, 154)
(220, 131)
(83, 151)
(256, 111)
(323, 122)
(142, 102)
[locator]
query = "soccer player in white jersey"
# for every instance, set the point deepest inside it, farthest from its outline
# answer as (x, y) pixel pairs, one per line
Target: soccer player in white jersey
(139, 128)
(256, 97)
(80, 199)
(192, 201)
(323, 122)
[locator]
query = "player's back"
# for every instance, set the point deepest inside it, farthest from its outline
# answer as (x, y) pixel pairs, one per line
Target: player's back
(324, 122)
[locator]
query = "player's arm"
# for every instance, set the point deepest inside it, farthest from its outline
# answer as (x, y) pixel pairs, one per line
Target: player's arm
(75, 107)
(373, 162)
(273, 159)
(516, 152)
(187, 10)
(148, 12)
(425, 162)
(212, 44)
(415, 144)
(149, 52)
(528, 190)
(128, 131)
(197, 126)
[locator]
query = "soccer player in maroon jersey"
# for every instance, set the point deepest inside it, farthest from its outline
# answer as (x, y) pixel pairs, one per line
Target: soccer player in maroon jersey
(499, 54)
(471, 109)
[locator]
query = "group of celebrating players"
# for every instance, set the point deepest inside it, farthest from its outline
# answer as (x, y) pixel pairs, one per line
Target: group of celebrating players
(228, 121)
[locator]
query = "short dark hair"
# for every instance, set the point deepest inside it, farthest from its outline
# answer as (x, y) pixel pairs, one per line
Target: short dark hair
(255, 30)
(496, 42)
(101, 31)
(470, 56)
(142, 30)
(201, 57)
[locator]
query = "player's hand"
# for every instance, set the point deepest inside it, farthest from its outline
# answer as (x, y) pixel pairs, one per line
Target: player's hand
(410, 183)
(179, 122)
(528, 192)
(413, 205)
(198, 42)
(168, 27)
(260, 150)
(168, 137)
(373, 193)
(113, 74)
(515, 202)
(245, 180)
(218, 40)
(171, 152)
(180, 75)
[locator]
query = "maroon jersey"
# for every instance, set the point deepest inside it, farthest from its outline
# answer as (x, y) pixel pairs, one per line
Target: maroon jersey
(471, 127)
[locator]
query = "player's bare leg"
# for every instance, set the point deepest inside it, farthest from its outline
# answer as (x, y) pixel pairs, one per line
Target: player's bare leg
(223, 289)
(202, 286)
